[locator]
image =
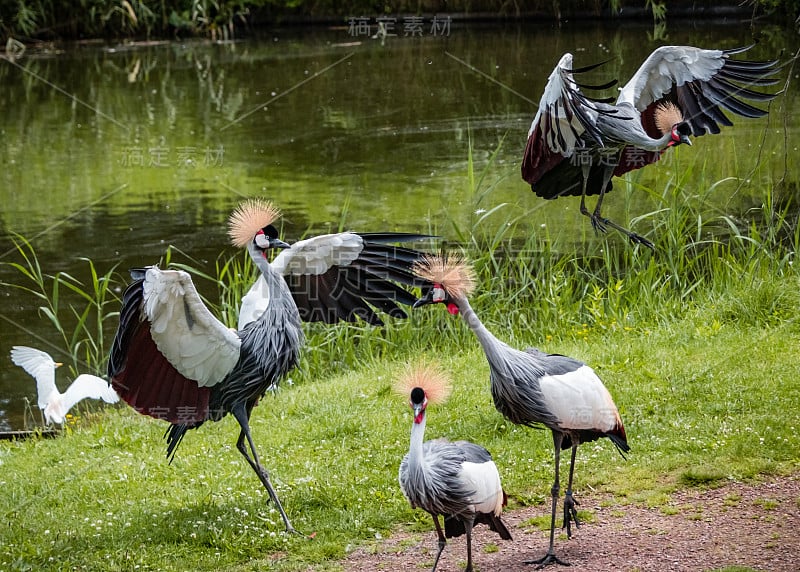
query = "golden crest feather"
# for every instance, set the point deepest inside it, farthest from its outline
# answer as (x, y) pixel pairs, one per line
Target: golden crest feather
(250, 217)
(428, 376)
(451, 271)
(666, 115)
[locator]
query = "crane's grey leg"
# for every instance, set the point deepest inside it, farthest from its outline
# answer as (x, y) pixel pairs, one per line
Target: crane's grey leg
(584, 211)
(550, 557)
(242, 415)
(442, 541)
(600, 223)
(468, 526)
(570, 512)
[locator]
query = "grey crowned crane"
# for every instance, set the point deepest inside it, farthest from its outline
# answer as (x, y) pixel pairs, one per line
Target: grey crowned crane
(173, 360)
(54, 404)
(531, 387)
(576, 144)
(457, 480)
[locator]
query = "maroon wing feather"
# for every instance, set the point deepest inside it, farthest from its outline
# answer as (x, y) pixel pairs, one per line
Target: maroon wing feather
(143, 377)
(538, 158)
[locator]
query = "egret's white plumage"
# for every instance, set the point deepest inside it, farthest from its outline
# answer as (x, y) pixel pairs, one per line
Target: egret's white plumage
(577, 144)
(52, 402)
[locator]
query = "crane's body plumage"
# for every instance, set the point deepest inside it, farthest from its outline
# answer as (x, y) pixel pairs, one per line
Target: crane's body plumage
(534, 388)
(173, 360)
(54, 404)
(576, 145)
(455, 479)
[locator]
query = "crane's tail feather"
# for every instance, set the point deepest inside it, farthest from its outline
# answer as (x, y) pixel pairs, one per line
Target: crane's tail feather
(174, 435)
(453, 526)
(495, 524)
(620, 442)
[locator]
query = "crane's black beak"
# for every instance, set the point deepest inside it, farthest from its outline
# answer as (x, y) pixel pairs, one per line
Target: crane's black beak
(426, 299)
(278, 243)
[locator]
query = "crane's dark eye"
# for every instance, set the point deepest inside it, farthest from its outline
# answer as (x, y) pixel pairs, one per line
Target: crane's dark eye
(684, 129)
(417, 395)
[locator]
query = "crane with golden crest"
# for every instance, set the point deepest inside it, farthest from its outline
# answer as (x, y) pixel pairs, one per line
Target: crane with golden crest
(530, 387)
(455, 479)
(576, 144)
(172, 359)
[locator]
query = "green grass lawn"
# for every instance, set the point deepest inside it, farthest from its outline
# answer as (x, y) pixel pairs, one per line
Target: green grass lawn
(705, 398)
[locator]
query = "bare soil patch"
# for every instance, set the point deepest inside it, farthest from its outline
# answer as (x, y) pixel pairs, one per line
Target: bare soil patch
(755, 525)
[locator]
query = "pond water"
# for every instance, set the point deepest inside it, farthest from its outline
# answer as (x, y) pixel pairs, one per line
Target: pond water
(114, 152)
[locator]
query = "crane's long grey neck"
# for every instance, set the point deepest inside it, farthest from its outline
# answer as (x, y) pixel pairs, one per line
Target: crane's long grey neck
(625, 126)
(497, 352)
(280, 298)
(415, 454)
(487, 339)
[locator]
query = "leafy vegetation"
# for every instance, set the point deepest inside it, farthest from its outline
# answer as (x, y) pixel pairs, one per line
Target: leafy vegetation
(218, 19)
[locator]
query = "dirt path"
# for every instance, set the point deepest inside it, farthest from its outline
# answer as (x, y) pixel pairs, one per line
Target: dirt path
(753, 525)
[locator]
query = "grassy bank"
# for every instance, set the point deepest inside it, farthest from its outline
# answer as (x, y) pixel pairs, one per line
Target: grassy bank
(696, 343)
(703, 402)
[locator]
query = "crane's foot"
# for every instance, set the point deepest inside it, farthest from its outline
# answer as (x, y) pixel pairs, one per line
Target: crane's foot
(639, 239)
(570, 513)
(602, 223)
(549, 558)
(292, 530)
(599, 224)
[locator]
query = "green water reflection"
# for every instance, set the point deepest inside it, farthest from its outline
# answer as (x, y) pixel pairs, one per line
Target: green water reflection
(115, 152)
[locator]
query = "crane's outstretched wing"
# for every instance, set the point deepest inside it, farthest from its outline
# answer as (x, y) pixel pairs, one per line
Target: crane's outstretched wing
(565, 117)
(88, 386)
(342, 277)
(169, 349)
(41, 366)
(699, 82)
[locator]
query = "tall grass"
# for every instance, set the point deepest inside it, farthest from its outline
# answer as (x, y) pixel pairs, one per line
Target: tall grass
(79, 312)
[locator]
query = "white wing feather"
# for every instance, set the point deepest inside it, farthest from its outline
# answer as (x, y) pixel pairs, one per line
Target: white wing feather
(88, 386)
(317, 254)
(41, 366)
(198, 345)
(484, 479)
(552, 103)
(668, 66)
(312, 256)
(579, 400)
